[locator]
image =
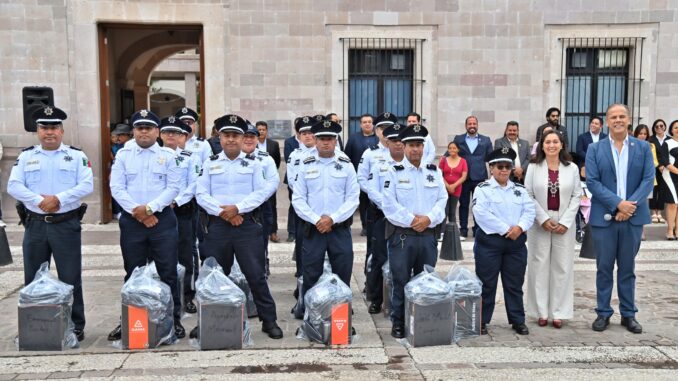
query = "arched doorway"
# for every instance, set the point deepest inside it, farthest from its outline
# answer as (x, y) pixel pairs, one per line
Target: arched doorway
(128, 54)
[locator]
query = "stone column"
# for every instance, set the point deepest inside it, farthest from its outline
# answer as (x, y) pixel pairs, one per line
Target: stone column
(190, 91)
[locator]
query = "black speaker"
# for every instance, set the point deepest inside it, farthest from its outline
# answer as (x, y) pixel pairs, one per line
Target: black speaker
(35, 97)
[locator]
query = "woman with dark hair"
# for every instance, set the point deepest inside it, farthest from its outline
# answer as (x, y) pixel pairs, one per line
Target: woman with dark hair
(553, 183)
(642, 132)
(657, 201)
(454, 170)
(668, 159)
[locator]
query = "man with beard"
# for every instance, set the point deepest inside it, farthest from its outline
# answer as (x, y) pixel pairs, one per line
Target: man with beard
(553, 121)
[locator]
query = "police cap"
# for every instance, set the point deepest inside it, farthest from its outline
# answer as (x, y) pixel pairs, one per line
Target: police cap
(413, 133)
(503, 154)
(326, 128)
(392, 132)
(172, 123)
(146, 117)
(231, 123)
(385, 119)
(49, 115)
(186, 113)
(304, 123)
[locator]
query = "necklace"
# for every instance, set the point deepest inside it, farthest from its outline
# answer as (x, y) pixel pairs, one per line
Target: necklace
(553, 185)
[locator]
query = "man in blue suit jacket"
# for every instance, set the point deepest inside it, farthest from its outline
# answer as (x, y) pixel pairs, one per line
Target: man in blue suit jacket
(620, 176)
(473, 147)
(584, 140)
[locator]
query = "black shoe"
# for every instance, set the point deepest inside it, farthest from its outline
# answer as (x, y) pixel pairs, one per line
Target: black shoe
(290, 238)
(463, 233)
(398, 331)
(353, 333)
(631, 324)
(115, 334)
(179, 330)
(79, 333)
(363, 232)
(483, 329)
(297, 312)
(296, 293)
(194, 333)
(190, 307)
(520, 329)
(270, 327)
(600, 324)
(375, 308)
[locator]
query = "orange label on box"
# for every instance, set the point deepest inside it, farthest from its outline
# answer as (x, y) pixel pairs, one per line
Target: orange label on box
(137, 321)
(341, 330)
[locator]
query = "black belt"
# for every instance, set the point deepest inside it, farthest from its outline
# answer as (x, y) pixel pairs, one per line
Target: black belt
(52, 218)
(186, 209)
(410, 231)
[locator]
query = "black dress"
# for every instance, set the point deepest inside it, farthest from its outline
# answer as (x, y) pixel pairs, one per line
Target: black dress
(668, 154)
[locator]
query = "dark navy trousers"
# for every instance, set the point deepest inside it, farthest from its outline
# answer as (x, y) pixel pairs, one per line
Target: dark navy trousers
(159, 243)
(186, 226)
(339, 248)
(407, 255)
(375, 277)
(63, 242)
(495, 254)
(224, 242)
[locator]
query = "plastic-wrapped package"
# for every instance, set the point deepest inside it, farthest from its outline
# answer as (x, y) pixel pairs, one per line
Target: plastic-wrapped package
(239, 279)
(147, 311)
(181, 273)
(428, 310)
(467, 291)
(327, 319)
(221, 303)
(387, 287)
(45, 314)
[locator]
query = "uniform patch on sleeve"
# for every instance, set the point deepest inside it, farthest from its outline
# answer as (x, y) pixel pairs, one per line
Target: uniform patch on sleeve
(370, 177)
(387, 183)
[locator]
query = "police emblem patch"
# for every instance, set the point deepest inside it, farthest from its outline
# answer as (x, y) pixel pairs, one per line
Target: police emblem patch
(233, 119)
(396, 127)
(430, 178)
(327, 124)
(305, 119)
(338, 167)
(184, 110)
(244, 163)
(143, 113)
(517, 193)
(48, 110)
(416, 128)
(68, 158)
(387, 115)
(171, 119)
(318, 118)
(505, 150)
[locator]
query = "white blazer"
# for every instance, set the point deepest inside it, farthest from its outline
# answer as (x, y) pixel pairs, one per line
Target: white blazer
(536, 182)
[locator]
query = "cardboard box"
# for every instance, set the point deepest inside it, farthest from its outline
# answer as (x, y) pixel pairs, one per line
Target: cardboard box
(221, 326)
(467, 316)
(138, 332)
(42, 327)
(429, 325)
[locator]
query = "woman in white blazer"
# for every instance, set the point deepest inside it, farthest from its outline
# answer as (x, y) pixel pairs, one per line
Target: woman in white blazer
(552, 181)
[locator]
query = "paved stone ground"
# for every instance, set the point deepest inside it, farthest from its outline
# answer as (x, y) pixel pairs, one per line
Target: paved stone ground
(571, 352)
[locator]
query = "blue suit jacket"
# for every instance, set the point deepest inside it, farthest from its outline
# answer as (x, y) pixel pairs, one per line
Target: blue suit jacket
(477, 170)
(601, 180)
(583, 142)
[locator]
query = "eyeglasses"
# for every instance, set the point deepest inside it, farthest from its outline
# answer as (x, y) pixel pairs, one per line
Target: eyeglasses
(503, 167)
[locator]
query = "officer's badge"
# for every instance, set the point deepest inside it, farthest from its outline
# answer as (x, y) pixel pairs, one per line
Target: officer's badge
(171, 119)
(517, 193)
(184, 110)
(48, 111)
(416, 128)
(505, 150)
(396, 127)
(338, 167)
(305, 119)
(430, 178)
(318, 117)
(387, 115)
(244, 163)
(327, 124)
(68, 158)
(143, 113)
(233, 119)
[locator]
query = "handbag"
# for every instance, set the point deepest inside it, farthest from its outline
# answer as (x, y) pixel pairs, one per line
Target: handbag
(587, 250)
(451, 247)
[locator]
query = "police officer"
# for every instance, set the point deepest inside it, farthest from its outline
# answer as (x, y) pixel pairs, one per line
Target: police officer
(145, 179)
(375, 186)
(231, 188)
(50, 179)
(414, 199)
(194, 144)
(326, 196)
(504, 212)
(174, 134)
(250, 148)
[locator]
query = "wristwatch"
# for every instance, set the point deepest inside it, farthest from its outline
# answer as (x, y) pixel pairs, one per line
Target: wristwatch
(148, 210)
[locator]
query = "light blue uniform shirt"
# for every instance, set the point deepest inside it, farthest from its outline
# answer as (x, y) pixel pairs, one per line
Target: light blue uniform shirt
(376, 179)
(145, 176)
(429, 151)
(410, 191)
(326, 186)
(190, 166)
(238, 182)
(621, 164)
(497, 208)
(371, 158)
(199, 147)
(294, 163)
(65, 173)
(270, 171)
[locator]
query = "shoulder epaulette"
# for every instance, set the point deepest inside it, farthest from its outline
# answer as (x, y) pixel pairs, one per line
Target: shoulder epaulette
(250, 156)
(519, 185)
(484, 184)
(432, 167)
(186, 153)
(27, 148)
(262, 153)
(200, 139)
(309, 159)
(214, 157)
(75, 148)
(344, 159)
(399, 167)
(374, 147)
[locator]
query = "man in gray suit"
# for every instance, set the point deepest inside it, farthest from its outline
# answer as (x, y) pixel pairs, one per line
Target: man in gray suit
(522, 148)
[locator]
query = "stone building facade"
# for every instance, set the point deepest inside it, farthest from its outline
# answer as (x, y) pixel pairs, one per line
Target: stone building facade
(498, 59)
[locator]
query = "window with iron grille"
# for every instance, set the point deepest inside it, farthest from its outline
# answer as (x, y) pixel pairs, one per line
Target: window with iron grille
(599, 72)
(384, 74)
